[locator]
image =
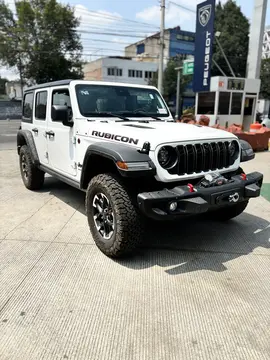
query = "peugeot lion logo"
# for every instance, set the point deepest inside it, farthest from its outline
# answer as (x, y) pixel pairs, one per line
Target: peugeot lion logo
(205, 14)
(234, 197)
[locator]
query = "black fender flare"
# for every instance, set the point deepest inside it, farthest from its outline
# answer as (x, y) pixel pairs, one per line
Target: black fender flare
(117, 152)
(26, 137)
(247, 152)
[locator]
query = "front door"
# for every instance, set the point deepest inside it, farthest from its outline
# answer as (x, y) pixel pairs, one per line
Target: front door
(249, 112)
(40, 121)
(60, 138)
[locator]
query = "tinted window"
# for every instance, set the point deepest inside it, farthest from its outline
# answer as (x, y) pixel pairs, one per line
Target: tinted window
(224, 103)
(206, 103)
(61, 97)
(28, 106)
(41, 105)
(236, 104)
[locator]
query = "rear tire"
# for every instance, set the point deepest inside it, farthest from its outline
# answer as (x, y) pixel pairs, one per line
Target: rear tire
(32, 177)
(229, 212)
(114, 220)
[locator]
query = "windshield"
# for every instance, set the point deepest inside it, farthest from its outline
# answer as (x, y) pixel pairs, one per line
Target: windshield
(95, 100)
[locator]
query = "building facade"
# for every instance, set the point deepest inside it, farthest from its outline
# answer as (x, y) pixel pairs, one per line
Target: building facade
(13, 90)
(120, 69)
(266, 43)
(176, 43)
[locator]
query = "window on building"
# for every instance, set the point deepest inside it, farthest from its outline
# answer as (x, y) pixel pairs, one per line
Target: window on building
(224, 103)
(41, 105)
(113, 71)
(61, 97)
(110, 71)
(185, 38)
(135, 73)
(236, 108)
(149, 74)
(140, 49)
(206, 103)
(28, 106)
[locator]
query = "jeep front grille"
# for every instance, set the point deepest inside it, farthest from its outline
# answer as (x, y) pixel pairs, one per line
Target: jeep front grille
(204, 157)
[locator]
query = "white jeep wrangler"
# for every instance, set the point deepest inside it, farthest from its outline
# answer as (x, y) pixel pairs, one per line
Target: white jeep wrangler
(120, 144)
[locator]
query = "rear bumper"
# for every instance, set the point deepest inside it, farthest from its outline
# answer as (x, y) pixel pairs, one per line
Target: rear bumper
(156, 204)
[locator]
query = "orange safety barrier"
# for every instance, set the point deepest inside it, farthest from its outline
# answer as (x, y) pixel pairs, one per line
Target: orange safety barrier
(255, 127)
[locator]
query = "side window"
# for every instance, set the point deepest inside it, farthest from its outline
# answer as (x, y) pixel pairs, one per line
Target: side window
(41, 105)
(61, 97)
(27, 107)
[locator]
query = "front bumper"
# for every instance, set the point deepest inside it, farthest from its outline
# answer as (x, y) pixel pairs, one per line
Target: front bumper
(156, 204)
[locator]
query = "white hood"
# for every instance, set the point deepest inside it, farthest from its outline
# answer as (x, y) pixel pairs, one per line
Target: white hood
(158, 133)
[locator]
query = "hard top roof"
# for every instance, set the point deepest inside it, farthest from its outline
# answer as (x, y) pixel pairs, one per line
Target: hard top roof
(49, 84)
(86, 82)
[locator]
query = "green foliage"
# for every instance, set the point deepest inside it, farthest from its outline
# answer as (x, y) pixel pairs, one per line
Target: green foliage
(265, 78)
(41, 42)
(234, 28)
(170, 79)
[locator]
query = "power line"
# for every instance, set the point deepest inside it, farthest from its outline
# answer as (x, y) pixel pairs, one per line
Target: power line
(103, 15)
(183, 7)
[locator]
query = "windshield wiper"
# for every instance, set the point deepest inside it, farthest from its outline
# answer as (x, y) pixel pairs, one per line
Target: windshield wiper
(141, 113)
(100, 114)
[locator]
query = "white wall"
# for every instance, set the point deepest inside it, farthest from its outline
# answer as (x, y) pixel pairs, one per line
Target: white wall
(125, 65)
(13, 90)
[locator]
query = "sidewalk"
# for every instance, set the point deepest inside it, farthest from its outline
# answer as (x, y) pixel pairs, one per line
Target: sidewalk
(197, 290)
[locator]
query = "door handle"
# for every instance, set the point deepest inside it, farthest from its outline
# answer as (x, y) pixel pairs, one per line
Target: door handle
(35, 130)
(50, 133)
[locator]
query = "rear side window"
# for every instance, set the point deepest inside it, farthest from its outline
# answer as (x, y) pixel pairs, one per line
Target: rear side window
(41, 105)
(28, 107)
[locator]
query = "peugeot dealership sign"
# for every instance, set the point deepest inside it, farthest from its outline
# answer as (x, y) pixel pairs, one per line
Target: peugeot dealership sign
(204, 45)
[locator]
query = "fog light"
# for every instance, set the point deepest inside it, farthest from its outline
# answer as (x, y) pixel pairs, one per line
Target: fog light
(173, 206)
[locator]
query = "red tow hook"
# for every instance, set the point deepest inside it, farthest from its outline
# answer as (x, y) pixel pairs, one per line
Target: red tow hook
(244, 177)
(191, 188)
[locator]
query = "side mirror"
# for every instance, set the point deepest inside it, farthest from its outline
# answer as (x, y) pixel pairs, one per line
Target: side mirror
(61, 113)
(247, 152)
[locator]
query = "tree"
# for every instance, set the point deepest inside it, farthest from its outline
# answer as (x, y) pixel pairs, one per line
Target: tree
(41, 42)
(170, 79)
(265, 78)
(234, 39)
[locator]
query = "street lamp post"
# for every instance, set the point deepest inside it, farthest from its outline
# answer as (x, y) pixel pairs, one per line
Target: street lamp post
(178, 97)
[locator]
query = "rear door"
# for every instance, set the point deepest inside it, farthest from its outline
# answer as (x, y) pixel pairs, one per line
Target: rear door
(40, 124)
(34, 120)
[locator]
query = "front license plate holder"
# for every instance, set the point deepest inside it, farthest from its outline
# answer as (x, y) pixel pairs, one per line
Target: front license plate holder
(229, 197)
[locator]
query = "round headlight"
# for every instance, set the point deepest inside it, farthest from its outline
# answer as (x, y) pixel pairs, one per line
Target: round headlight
(167, 157)
(234, 149)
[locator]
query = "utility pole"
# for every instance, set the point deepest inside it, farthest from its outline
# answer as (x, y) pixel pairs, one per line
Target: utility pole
(161, 46)
(178, 97)
(256, 39)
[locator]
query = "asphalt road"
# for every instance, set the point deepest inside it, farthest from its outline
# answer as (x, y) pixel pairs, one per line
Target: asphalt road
(8, 131)
(196, 290)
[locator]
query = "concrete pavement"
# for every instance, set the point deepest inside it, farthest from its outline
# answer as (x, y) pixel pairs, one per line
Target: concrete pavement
(197, 290)
(8, 133)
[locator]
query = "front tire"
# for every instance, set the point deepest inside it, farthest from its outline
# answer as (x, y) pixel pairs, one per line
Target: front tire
(32, 177)
(229, 212)
(114, 220)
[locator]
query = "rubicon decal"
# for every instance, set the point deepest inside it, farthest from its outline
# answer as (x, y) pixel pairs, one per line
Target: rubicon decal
(124, 139)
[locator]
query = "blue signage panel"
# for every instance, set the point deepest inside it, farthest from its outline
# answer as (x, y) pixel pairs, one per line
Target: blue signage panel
(203, 45)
